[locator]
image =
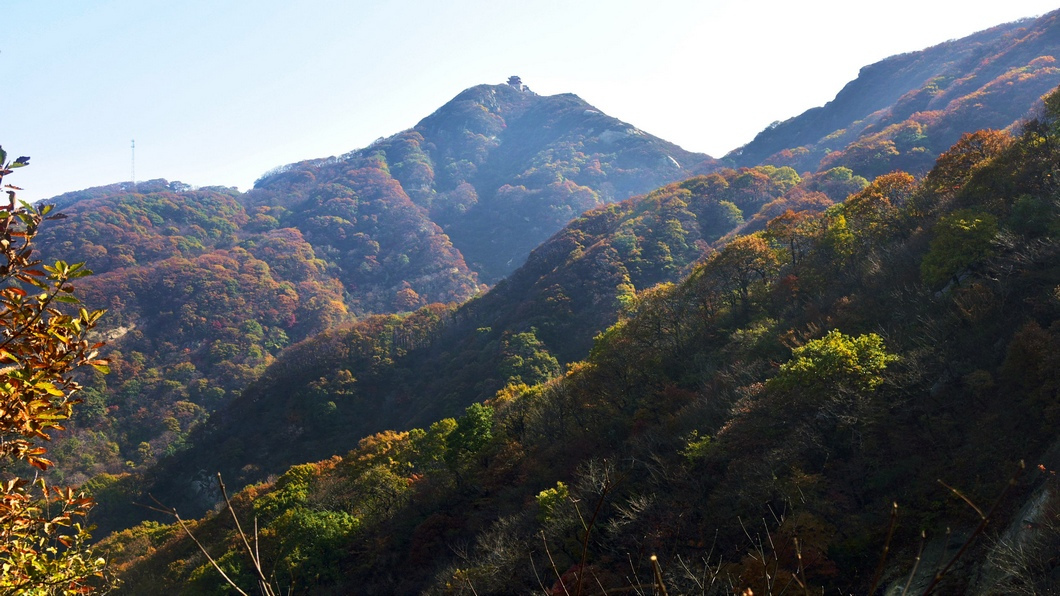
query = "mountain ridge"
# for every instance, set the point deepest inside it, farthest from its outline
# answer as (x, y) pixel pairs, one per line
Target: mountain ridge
(893, 90)
(500, 168)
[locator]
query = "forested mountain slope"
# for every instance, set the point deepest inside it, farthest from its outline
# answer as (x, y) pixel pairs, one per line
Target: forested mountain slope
(196, 307)
(900, 113)
(751, 425)
(322, 395)
(202, 293)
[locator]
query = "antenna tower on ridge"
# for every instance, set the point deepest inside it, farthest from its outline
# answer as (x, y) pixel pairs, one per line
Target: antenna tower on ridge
(134, 163)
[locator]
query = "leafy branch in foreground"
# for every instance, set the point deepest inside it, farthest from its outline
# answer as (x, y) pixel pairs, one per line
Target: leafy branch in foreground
(42, 542)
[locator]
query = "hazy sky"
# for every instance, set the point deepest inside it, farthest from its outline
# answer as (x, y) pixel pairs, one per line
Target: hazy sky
(217, 92)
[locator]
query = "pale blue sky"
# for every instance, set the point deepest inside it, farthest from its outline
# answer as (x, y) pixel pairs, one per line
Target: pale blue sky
(218, 92)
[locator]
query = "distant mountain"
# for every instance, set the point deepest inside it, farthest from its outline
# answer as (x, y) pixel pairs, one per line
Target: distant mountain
(198, 301)
(202, 292)
(499, 169)
(902, 112)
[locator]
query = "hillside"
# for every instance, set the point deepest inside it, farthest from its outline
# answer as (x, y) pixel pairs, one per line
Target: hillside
(751, 425)
(902, 112)
(196, 309)
(202, 293)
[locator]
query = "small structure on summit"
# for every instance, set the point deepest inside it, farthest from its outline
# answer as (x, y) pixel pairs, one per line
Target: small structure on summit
(517, 84)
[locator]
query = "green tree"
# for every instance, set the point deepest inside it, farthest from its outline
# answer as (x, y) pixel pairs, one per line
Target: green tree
(838, 183)
(42, 543)
(526, 360)
(430, 446)
(962, 239)
(313, 544)
(786, 178)
(551, 499)
(835, 363)
(473, 432)
(719, 217)
(838, 242)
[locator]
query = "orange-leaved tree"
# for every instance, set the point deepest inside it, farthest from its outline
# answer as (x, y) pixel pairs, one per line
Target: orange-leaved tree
(43, 342)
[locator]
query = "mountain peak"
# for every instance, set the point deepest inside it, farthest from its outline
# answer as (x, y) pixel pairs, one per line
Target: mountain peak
(500, 168)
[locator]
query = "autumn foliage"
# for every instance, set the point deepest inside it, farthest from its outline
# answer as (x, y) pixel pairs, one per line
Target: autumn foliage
(44, 340)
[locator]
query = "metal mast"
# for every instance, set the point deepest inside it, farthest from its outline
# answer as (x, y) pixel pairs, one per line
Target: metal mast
(134, 163)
